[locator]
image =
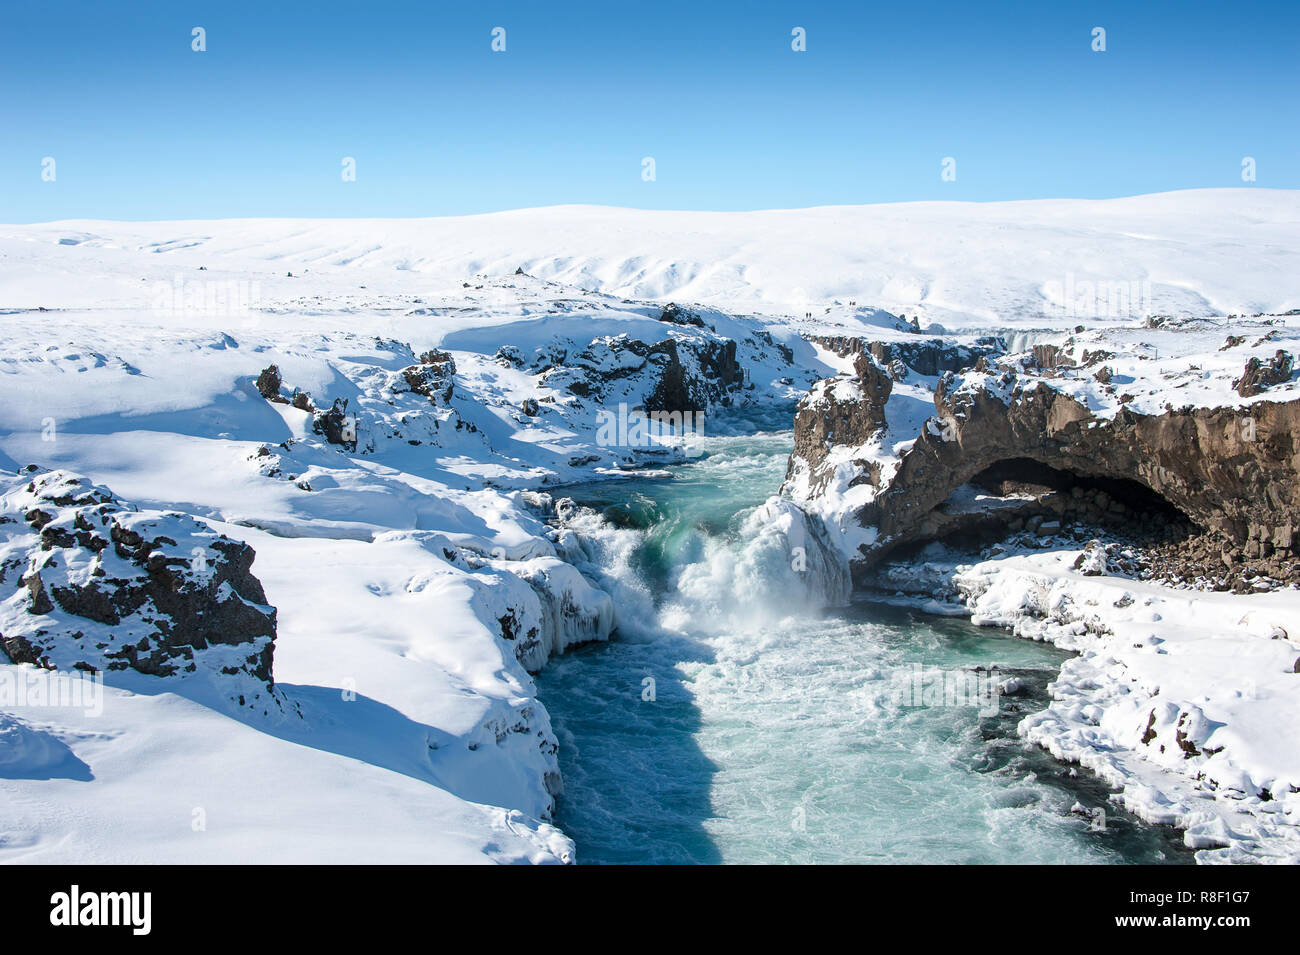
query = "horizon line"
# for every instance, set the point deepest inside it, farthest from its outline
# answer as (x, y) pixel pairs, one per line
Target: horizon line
(639, 209)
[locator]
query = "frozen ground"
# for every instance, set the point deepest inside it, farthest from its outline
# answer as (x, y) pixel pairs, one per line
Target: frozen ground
(964, 265)
(417, 736)
(414, 579)
(1186, 701)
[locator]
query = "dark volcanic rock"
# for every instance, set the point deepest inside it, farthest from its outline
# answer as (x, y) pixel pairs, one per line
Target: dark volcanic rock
(847, 412)
(434, 377)
(336, 426)
(109, 588)
(680, 316)
(681, 389)
(841, 412)
(268, 383)
(674, 391)
(931, 356)
(1051, 357)
(1259, 376)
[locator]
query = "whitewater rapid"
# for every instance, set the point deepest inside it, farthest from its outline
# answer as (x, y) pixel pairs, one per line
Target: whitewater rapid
(734, 719)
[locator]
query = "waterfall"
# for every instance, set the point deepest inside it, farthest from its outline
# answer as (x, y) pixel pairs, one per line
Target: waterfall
(740, 712)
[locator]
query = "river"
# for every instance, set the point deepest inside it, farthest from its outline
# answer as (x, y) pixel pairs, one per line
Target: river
(727, 722)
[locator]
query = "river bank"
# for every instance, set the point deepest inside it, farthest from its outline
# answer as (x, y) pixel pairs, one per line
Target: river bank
(728, 721)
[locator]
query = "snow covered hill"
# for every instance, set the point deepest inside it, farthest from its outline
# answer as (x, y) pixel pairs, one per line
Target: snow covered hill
(376, 409)
(383, 465)
(963, 265)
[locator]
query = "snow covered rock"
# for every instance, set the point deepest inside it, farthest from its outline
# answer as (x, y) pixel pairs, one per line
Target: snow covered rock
(1231, 470)
(268, 383)
(1092, 562)
(842, 412)
(434, 377)
(685, 372)
(928, 356)
(570, 611)
(680, 316)
(336, 426)
(1258, 376)
(95, 585)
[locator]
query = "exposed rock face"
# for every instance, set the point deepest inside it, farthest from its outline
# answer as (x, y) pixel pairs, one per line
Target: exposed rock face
(94, 585)
(434, 377)
(1234, 472)
(685, 374)
(1051, 357)
(845, 412)
(684, 389)
(930, 356)
(840, 412)
(680, 316)
(1259, 376)
(336, 426)
(1208, 493)
(268, 383)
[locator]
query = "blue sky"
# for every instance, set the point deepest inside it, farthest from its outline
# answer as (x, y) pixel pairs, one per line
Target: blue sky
(142, 127)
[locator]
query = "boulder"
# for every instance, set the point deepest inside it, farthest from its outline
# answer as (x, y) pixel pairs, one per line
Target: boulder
(268, 383)
(95, 585)
(1259, 376)
(336, 426)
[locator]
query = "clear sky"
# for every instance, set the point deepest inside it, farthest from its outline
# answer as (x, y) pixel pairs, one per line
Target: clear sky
(140, 126)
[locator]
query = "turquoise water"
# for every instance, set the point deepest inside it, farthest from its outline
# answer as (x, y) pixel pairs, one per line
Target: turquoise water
(772, 733)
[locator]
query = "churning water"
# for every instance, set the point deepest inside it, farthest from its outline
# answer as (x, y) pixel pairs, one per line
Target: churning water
(728, 722)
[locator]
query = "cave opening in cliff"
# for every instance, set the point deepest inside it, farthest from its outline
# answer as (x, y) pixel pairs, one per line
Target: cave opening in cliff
(1122, 499)
(1029, 495)
(1022, 494)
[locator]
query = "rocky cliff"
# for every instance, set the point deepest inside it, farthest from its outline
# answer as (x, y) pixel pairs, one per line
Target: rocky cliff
(1031, 437)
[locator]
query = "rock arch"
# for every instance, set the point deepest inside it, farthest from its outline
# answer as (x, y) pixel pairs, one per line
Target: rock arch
(1232, 471)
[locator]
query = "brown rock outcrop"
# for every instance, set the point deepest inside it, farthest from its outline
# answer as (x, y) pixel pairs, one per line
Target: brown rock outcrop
(1259, 376)
(1233, 472)
(839, 412)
